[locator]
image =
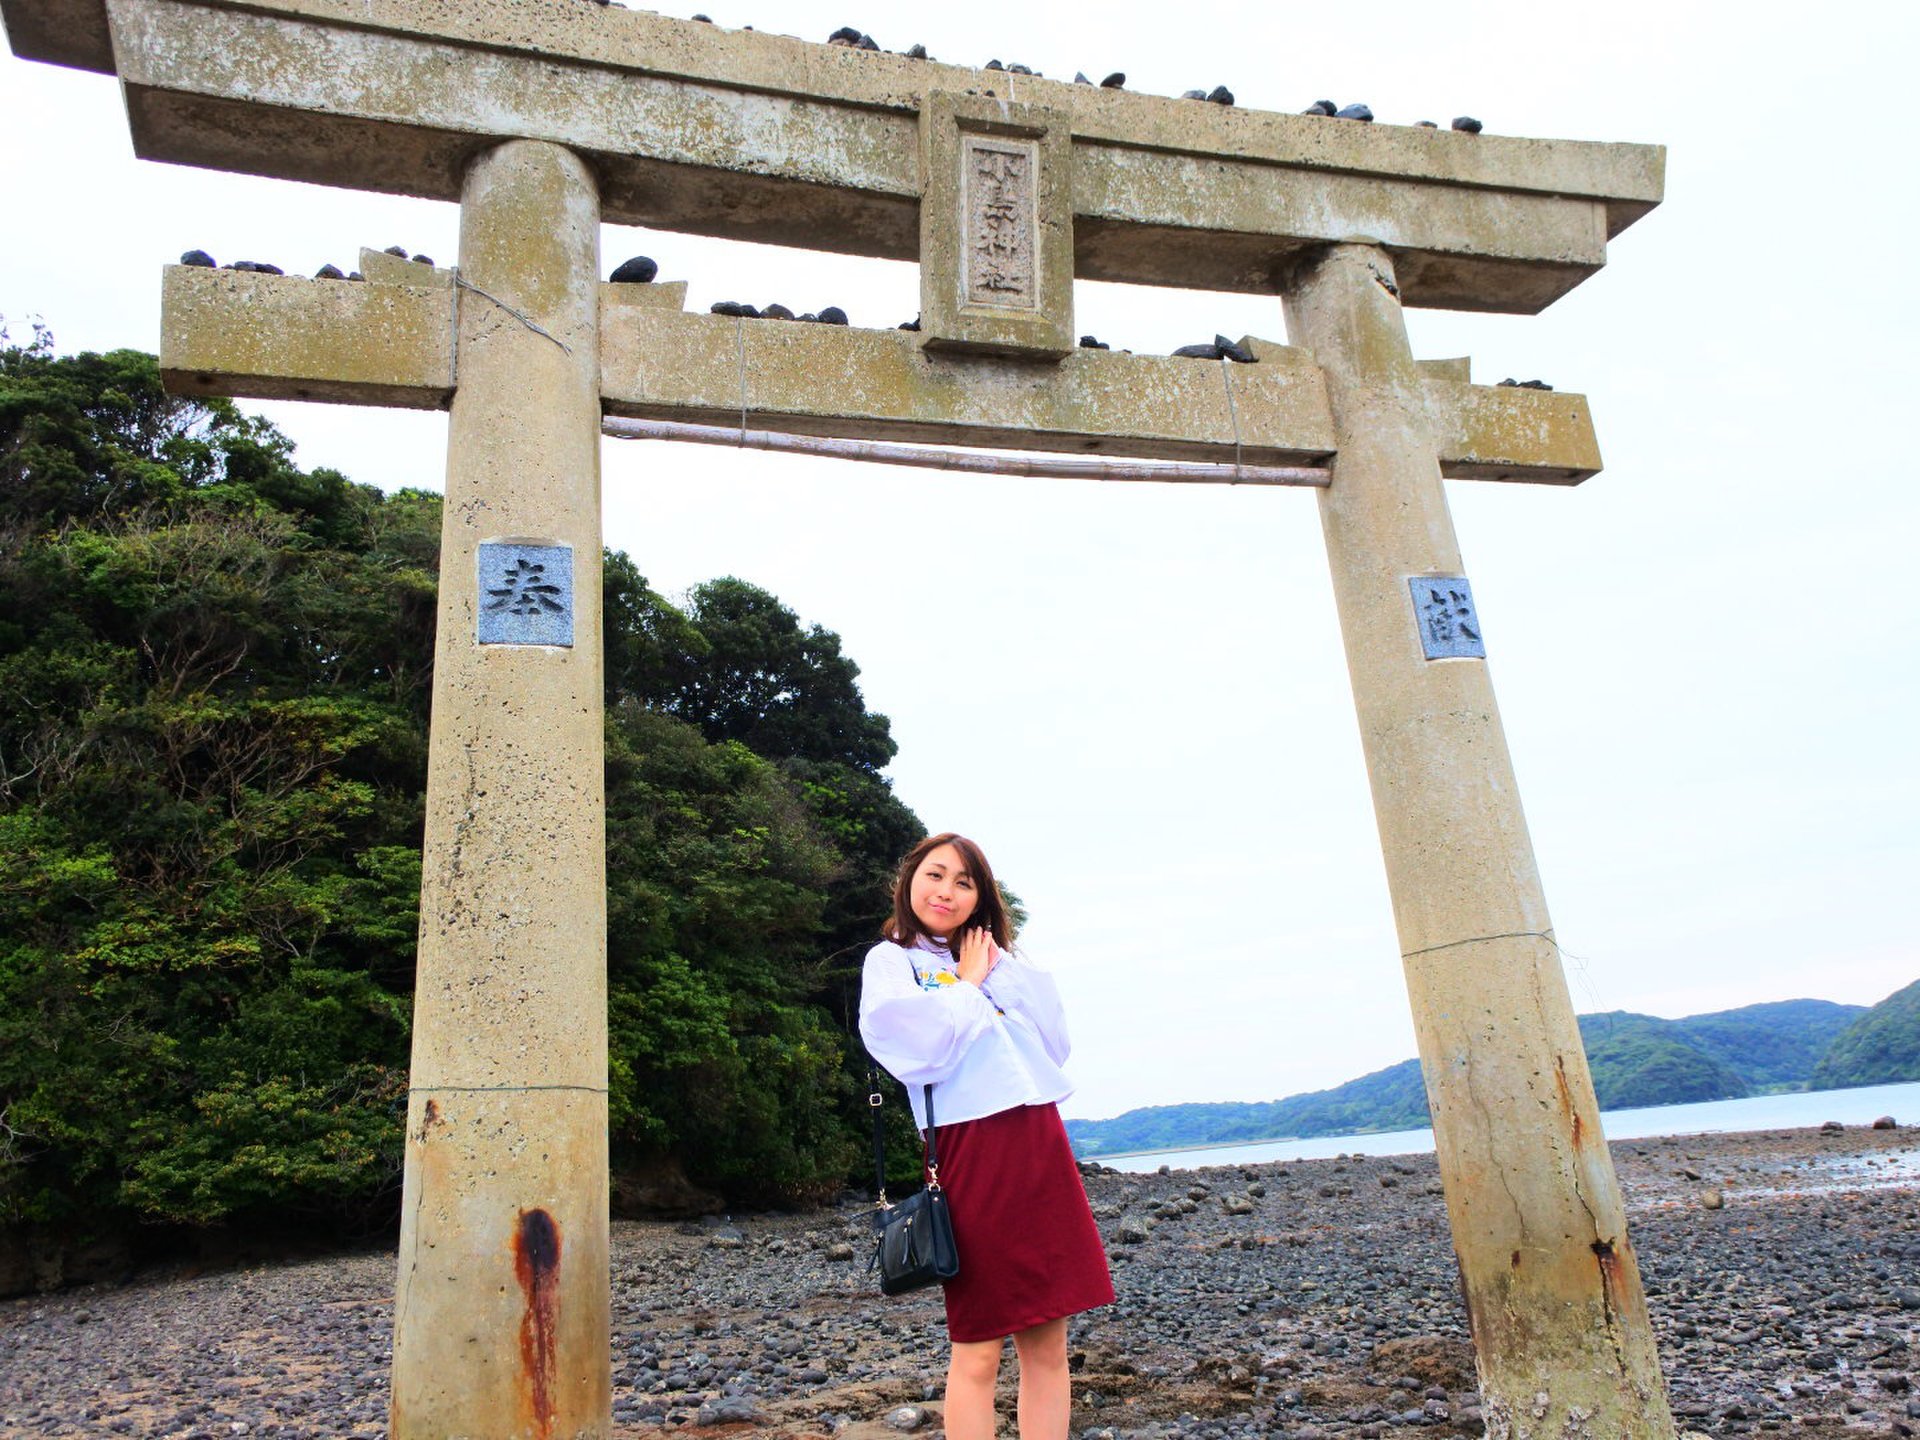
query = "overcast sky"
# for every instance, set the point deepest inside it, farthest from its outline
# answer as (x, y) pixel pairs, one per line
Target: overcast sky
(1705, 656)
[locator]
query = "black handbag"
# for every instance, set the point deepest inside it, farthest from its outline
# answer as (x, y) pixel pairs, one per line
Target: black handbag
(915, 1246)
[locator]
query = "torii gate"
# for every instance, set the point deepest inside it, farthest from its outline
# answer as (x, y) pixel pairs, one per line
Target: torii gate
(541, 119)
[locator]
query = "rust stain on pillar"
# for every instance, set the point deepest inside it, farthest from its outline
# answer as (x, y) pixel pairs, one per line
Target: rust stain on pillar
(536, 1265)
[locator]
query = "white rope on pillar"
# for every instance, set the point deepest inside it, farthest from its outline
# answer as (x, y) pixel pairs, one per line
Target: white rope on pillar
(932, 457)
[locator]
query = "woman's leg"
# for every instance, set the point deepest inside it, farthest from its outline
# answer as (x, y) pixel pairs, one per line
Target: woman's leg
(1044, 1386)
(970, 1379)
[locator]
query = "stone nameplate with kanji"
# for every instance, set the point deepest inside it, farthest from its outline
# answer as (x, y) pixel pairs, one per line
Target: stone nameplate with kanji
(1443, 609)
(526, 594)
(996, 227)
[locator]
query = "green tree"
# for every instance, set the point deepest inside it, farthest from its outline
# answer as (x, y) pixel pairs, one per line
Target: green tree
(780, 689)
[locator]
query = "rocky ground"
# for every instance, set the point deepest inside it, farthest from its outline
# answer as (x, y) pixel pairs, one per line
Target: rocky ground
(1308, 1298)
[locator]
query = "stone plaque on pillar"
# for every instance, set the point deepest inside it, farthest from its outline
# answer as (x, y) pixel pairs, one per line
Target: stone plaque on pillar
(526, 594)
(1443, 609)
(996, 227)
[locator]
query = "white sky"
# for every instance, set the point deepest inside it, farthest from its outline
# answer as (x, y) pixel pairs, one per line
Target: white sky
(1135, 697)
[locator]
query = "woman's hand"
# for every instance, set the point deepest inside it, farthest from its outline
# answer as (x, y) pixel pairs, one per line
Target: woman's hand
(978, 955)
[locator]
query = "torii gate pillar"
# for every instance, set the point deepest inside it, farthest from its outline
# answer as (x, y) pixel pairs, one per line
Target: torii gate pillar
(504, 1221)
(1552, 1290)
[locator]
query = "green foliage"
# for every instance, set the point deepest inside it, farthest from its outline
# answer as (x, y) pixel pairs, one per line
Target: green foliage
(210, 764)
(214, 681)
(1640, 1063)
(1882, 1047)
(717, 883)
(764, 681)
(1769, 1046)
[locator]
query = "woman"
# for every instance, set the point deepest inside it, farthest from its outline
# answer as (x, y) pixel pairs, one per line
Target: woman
(945, 1002)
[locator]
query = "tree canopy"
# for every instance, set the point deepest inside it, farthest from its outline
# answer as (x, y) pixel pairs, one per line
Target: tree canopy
(214, 679)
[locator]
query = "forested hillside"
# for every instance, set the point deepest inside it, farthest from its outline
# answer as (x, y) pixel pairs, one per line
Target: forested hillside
(214, 679)
(1635, 1059)
(1882, 1047)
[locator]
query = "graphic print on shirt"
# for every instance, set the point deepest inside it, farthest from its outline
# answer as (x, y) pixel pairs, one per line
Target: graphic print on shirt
(934, 979)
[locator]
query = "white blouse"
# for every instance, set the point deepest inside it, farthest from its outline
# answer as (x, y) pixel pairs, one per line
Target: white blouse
(984, 1048)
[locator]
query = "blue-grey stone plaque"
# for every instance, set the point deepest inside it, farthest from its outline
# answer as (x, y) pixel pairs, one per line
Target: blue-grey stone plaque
(526, 594)
(1443, 609)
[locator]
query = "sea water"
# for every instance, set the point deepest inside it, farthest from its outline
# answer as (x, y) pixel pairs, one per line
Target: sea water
(1860, 1106)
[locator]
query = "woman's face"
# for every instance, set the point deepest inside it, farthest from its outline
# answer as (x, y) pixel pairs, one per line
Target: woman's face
(942, 893)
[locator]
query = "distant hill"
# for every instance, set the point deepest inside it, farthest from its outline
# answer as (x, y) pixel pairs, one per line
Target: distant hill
(1643, 1060)
(1636, 1060)
(1882, 1047)
(1772, 1046)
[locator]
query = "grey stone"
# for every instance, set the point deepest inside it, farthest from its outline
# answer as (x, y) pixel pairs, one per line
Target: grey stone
(906, 1418)
(199, 258)
(640, 270)
(731, 1410)
(1354, 112)
(1466, 124)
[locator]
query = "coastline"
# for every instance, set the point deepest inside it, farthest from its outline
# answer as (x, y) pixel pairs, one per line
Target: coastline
(1329, 1307)
(1775, 1110)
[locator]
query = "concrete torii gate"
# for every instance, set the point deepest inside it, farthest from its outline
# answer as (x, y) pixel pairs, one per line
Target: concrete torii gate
(543, 119)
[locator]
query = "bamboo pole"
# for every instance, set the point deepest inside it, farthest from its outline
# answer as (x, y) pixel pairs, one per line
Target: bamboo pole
(932, 457)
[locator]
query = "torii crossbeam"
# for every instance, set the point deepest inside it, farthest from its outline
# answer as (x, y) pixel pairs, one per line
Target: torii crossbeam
(544, 119)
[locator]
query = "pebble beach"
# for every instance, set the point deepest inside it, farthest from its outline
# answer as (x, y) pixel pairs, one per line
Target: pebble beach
(1303, 1299)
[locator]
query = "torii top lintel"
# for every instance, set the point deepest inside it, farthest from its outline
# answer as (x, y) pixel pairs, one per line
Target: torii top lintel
(763, 137)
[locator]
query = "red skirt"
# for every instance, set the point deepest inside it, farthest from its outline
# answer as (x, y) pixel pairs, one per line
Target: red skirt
(1029, 1249)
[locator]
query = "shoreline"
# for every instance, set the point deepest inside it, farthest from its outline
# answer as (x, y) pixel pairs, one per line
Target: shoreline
(1771, 1110)
(1327, 1307)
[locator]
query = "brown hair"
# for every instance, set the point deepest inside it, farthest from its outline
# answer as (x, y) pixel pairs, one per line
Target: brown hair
(989, 908)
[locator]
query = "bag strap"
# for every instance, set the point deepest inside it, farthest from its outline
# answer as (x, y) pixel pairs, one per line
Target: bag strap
(933, 1157)
(875, 1099)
